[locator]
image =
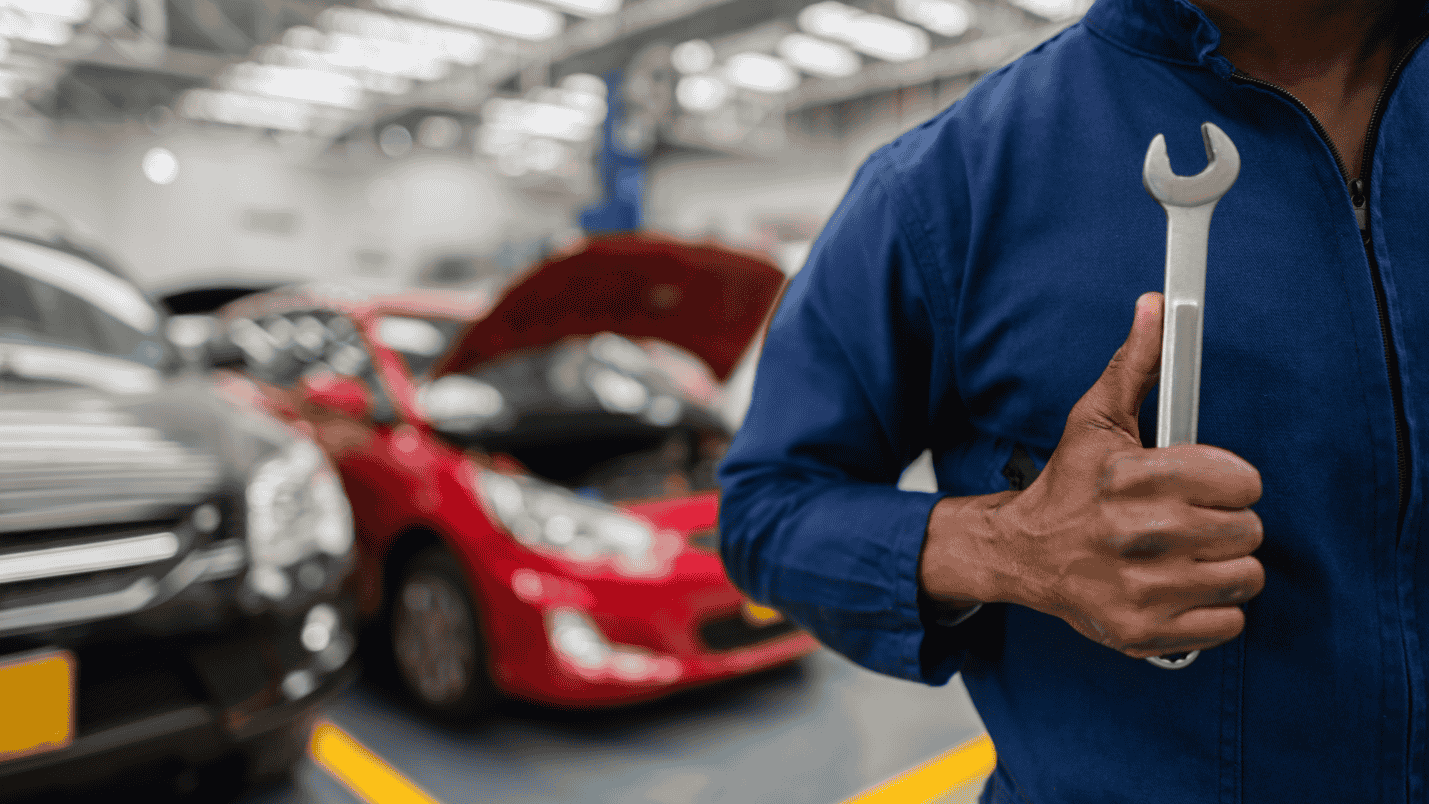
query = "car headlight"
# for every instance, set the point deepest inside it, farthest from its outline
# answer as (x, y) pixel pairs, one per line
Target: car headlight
(296, 510)
(543, 515)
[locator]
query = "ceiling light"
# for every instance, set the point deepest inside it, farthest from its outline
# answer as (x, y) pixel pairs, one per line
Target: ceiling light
(1054, 9)
(694, 56)
(701, 93)
(942, 17)
(69, 11)
(316, 86)
(509, 17)
(160, 166)
(238, 109)
(587, 8)
(872, 34)
(40, 28)
(454, 44)
(392, 58)
(584, 84)
(818, 56)
(539, 119)
(761, 73)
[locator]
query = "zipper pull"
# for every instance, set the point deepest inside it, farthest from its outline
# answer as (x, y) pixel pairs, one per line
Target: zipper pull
(1361, 204)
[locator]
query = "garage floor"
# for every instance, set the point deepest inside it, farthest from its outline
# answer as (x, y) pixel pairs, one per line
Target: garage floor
(819, 732)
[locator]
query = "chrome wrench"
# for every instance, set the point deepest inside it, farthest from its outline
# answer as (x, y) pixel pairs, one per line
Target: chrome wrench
(1189, 202)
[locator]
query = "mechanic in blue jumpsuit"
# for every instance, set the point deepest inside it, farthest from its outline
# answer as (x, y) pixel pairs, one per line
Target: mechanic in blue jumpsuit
(966, 298)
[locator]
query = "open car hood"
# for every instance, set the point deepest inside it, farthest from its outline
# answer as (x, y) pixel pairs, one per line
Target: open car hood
(702, 297)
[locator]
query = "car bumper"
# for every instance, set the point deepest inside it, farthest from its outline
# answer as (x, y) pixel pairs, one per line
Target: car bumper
(183, 701)
(662, 637)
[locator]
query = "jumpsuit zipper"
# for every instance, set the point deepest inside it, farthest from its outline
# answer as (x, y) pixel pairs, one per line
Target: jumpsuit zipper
(1358, 188)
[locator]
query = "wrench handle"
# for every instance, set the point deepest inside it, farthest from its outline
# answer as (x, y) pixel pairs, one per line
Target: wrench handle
(1187, 230)
(1179, 399)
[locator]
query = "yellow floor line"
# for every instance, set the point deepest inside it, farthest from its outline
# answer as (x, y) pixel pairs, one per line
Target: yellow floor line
(968, 762)
(362, 771)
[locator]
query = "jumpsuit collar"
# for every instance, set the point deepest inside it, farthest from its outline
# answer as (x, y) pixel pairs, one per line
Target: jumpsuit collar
(1171, 30)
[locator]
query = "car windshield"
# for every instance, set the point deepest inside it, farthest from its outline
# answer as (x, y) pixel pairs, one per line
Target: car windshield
(419, 340)
(51, 298)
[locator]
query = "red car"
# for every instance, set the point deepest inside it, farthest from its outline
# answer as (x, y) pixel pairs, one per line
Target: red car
(533, 480)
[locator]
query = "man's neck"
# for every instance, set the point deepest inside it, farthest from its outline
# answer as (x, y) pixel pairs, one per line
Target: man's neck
(1334, 55)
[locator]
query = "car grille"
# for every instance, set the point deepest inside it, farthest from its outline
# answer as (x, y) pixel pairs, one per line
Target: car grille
(729, 633)
(73, 468)
(90, 515)
(53, 578)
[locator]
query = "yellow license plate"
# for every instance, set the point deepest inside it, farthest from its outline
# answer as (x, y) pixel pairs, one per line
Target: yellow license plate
(36, 702)
(755, 614)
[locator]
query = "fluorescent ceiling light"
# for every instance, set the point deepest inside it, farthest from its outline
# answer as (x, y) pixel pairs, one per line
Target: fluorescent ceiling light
(298, 83)
(442, 41)
(694, 56)
(509, 17)
(872, 34)
(584, 84)
(1054, 9)
(239, 109)
(701, 93)
(586, 8)
(943, 17)
(819, 56)
(42, 29)
(66, 11)
(539, 119)
(392, 58)
(761, 73)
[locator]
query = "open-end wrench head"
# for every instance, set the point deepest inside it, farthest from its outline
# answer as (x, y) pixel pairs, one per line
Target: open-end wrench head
(1222, 168)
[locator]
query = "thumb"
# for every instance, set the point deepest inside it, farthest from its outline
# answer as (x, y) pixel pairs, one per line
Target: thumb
(1114, 400)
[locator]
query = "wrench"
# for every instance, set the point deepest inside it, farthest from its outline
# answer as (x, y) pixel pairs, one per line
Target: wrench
(1189, 202)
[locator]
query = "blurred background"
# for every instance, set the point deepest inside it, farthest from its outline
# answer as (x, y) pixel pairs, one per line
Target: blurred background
(417, 162)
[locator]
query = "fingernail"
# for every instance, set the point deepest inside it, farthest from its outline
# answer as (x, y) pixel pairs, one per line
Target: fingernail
(1143, 306)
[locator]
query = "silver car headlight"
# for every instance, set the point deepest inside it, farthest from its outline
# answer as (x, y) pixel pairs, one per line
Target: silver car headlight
(546, 516)
(296, 510)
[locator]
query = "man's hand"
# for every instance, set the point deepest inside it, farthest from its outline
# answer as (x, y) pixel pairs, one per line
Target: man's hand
(1146, 551)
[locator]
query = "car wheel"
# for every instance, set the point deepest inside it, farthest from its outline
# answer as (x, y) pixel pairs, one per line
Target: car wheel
(436, 639)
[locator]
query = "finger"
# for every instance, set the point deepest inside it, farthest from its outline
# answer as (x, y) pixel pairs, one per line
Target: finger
(1195, 473)
(1114, 400)
(1152, 531)
(1180, 587)
(1198, 629)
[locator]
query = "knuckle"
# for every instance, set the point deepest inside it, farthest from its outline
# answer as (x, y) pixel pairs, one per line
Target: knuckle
(1125, 472)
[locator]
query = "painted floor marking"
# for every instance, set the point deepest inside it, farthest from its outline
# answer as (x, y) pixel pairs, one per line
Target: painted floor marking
(360, 770)
(966, 763)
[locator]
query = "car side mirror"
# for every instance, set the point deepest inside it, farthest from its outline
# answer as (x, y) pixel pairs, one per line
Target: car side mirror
(346, 395)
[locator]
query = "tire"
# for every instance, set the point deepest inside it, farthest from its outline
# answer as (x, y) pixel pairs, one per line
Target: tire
(435, 637)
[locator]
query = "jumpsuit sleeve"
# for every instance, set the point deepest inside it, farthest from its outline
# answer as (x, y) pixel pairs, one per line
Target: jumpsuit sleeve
(811, 520)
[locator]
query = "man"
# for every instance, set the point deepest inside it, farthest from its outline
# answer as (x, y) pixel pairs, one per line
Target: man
(966, 297)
